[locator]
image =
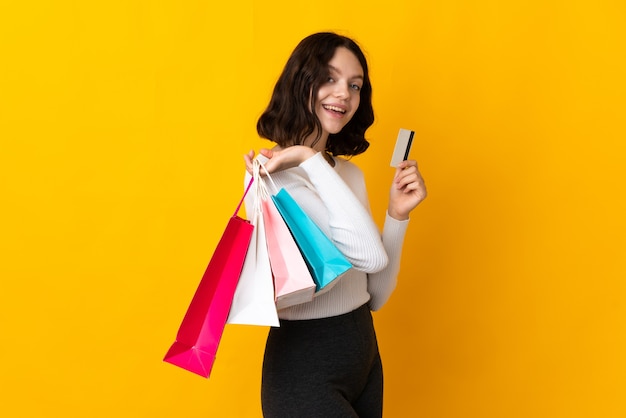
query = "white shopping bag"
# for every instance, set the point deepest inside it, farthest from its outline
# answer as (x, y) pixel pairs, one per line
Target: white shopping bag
(254, 303)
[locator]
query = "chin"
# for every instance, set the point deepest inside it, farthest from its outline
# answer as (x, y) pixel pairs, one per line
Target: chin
(334, 129)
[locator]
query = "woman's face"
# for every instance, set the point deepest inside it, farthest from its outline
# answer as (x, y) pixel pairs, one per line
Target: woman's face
(339, 97)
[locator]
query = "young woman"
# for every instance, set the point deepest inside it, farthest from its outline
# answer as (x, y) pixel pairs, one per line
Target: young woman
(323, 361)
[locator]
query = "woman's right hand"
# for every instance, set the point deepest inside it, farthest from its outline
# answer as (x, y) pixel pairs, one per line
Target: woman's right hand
(281, 158)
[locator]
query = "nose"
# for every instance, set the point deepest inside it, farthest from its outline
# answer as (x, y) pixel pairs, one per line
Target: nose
(342, 90)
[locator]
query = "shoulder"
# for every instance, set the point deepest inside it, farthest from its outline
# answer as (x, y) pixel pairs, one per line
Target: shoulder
(353, 176)
(347, 169)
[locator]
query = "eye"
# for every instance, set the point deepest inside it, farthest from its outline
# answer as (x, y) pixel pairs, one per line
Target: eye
(355, 87)
(330, 80)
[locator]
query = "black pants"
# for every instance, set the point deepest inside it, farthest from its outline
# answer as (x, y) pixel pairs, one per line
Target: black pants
(323, 368)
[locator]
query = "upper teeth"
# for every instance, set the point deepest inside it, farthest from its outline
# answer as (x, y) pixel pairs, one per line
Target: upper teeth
(334, 108)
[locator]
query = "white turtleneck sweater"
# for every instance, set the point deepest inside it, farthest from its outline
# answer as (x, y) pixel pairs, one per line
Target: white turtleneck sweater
(336, 200)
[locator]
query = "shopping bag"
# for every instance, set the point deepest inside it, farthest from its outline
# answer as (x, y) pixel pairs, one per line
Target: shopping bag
(253, 303)
(324, 260)
(202, 327)
(293, 283)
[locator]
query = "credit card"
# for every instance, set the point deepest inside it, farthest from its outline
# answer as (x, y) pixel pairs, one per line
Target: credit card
(403, 147)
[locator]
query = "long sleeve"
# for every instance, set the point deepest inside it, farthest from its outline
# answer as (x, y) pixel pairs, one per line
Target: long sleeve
(350, 225)
(381, 285)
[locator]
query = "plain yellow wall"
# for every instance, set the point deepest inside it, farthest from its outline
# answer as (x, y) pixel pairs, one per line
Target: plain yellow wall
(122, 125)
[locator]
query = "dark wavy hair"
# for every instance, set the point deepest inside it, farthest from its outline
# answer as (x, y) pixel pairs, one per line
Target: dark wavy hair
(289, 118)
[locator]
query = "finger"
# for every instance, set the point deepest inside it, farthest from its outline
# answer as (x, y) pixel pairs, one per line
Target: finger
(406, 175)
(407, 163)
(273, 164)
(410, 187)
(418, 188)
(407, 168)
(408, 171)
(248, 160)
(412, 183)
(406, 183)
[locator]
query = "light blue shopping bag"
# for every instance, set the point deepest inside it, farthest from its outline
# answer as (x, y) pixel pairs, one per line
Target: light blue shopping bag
(324, 260)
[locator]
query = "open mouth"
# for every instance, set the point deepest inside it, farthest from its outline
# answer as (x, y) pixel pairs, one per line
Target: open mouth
(334, 109)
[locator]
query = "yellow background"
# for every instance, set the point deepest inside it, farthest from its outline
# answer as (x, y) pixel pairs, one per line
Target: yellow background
(122, 125)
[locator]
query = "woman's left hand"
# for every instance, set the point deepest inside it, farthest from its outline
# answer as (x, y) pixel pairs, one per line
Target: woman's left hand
(407, 191)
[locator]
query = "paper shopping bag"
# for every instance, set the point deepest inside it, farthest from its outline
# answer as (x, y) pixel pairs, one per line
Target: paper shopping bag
(253, 303)
(324, 260)
(292, 280)
(202, 327)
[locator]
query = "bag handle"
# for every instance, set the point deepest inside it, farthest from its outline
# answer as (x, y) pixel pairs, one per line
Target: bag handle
(256, 165)
(243, 197)
(256, 160)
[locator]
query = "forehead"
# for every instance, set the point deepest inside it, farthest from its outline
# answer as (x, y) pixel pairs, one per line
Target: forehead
(346, 63)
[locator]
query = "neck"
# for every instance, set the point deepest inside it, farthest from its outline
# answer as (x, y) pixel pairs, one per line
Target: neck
(320, 145)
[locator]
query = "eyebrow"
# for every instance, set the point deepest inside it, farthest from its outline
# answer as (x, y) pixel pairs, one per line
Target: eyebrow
(358, 76)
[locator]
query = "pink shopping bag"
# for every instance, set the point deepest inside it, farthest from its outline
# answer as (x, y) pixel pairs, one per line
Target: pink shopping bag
(293, 283)
(322, 257)
(202, 327)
